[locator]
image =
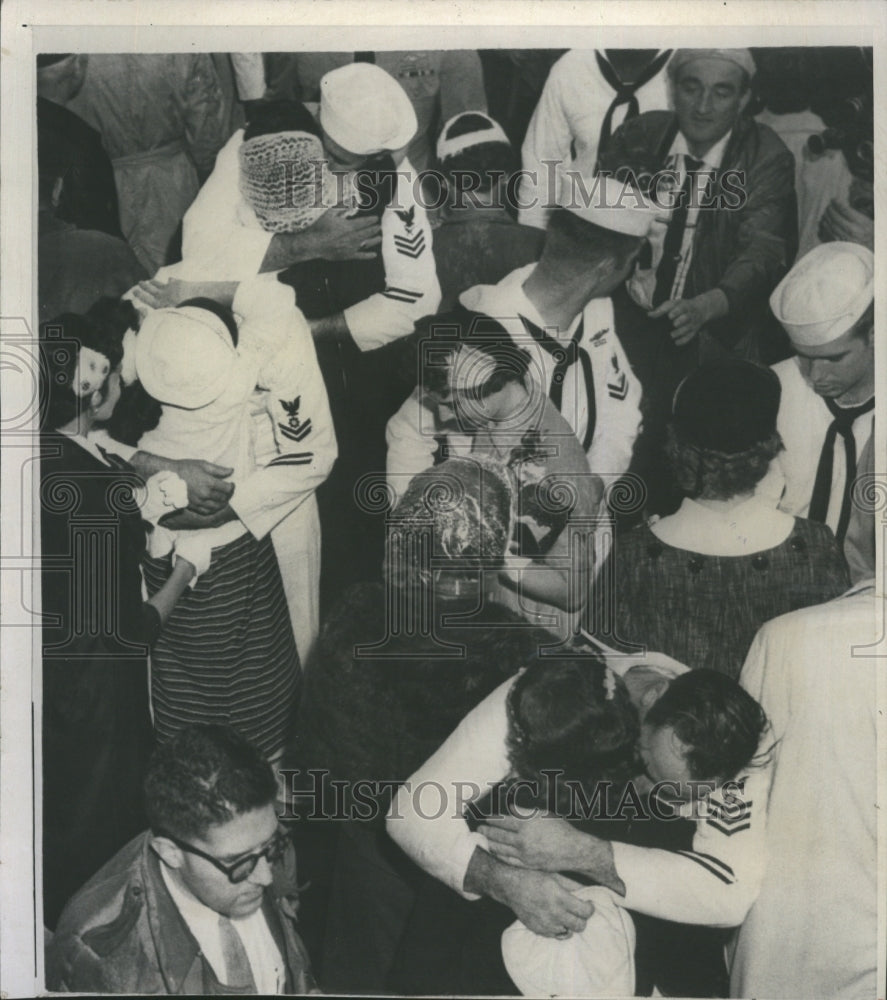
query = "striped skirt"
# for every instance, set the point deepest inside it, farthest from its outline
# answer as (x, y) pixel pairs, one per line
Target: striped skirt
(226, 653)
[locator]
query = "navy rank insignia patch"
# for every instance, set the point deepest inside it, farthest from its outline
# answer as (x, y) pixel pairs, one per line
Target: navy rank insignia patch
(294, 429)
(410, 246)
(617, 380)
(407, 218)
(730, 816)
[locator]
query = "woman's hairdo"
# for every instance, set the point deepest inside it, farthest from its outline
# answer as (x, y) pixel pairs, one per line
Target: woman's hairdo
(568, 716)
(464, 506)
(723, 433)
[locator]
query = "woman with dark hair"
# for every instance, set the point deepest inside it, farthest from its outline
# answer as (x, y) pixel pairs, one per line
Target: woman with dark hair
(699, 583)
(96, 627)
(572, 713)
(571, 737)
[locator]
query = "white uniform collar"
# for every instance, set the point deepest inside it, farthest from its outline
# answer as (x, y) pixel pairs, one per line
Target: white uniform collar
(752, 526)
(525, 307)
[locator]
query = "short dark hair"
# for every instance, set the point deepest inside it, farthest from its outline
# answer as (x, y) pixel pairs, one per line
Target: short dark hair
(218, 310)
(136, 413)
(489, 161)
(462, 328)
(569, 236)
(205, 776)
(269, 117)
(715, 475)
(718, 720)
(561, 716)
(865, 322)
(60, 404)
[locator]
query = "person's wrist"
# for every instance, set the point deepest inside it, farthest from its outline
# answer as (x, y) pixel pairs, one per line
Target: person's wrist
(184, 567)
(585, 853)
(716, 304)
(503, 882)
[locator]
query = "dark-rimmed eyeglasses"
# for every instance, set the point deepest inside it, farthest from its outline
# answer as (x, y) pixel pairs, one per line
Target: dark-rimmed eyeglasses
(241, 869)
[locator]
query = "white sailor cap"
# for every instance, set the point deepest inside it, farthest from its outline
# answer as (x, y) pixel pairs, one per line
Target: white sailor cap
(184, 357)
(825, 293)
(603, 199)
(487, 130)
(365, 110)
(739, 57)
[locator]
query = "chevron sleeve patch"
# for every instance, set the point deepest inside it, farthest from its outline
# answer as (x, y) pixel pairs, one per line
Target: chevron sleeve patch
(410, 246)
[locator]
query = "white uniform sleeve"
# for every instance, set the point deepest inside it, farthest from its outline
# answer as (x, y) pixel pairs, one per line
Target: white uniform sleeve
(411, 443)
(410, 450)
(425, 819)
(221, 239)
(548, 138)
(618, 402)
(716, 882)
(249, 75)
(411, 286)
(104, 440)
(297, 404)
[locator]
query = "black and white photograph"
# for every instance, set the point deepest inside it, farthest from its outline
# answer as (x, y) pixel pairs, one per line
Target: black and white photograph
(444, 499)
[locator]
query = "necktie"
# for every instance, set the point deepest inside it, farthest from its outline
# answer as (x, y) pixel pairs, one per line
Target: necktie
(115, 461)
(441, 449)
(842, 424)
(238, 972)
(565, 356)
(674, 235)
(625, 92)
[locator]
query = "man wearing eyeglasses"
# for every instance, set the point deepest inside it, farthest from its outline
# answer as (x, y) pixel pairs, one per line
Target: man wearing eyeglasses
(202, 903)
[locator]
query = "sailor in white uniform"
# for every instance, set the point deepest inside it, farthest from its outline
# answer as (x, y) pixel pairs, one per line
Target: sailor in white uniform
(712, 884)
(826, 415)
(813, 931)
(363, 112)
(558, 310)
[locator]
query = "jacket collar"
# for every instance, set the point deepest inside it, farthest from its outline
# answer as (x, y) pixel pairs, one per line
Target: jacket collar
(174, 944)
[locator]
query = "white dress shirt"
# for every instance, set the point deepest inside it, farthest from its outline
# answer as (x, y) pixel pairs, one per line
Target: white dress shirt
(265, 960)
(642, 284)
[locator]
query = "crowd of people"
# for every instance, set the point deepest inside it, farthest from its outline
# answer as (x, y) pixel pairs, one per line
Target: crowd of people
(453, 580)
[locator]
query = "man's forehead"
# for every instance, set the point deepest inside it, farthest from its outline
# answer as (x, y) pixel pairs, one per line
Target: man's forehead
(711, 68)
(243, 834)
(834, 348)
